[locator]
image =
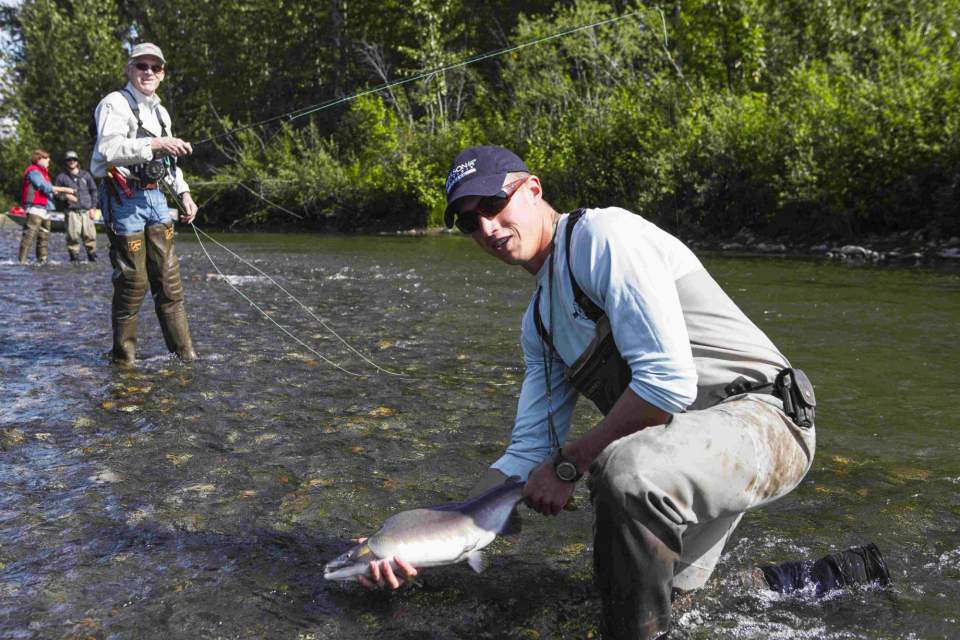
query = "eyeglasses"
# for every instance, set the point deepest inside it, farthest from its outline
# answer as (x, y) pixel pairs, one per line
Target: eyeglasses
(143, 66)
(488, 207)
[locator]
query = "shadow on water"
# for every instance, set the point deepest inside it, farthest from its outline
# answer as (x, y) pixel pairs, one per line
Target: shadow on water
(202, 501)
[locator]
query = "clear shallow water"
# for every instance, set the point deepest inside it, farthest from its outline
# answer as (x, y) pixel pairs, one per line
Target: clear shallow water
(202, 501)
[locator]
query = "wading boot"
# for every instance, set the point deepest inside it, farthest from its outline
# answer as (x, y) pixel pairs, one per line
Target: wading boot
(74, 257)
(43, 241)
(857, 565)
(29, 235)
(163, 270)
(128, 255)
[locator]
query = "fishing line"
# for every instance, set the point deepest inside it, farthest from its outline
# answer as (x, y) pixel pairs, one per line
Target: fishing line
(320, 320)
(197, 231)
(320, 106)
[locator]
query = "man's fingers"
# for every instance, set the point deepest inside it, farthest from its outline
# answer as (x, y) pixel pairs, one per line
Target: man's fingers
(408, 569)
(375, 572)
(389, 575)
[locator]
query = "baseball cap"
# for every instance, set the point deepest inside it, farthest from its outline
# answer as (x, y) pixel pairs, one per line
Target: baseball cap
(479, 171)
(71, 155)
(146, 49)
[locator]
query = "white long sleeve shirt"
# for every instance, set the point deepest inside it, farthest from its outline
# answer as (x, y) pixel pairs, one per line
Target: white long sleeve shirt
(117, 141)
(682, 337)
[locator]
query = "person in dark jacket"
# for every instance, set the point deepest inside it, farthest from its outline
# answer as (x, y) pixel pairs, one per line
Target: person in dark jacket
(81, 208)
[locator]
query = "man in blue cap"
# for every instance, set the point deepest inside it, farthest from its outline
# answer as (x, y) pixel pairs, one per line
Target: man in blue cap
(704, 419)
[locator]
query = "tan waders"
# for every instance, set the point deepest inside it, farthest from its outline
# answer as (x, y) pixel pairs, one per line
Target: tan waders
(37, 228)
(138, 259)
(81, 227)
(667, 498)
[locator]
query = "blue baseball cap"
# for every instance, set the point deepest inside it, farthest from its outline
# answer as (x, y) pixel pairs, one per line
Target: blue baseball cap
(479, 171)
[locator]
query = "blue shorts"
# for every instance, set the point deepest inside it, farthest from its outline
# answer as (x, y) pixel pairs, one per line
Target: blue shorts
(146, 208)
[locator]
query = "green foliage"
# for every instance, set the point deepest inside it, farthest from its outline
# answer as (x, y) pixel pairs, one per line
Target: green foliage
(814, 116)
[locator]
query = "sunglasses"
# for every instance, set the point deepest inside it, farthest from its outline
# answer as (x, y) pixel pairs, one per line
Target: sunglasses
(143, 66)
(488, 206)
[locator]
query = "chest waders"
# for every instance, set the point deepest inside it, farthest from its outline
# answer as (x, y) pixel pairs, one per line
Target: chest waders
(142, 258)
(35, 229)
(602, 375)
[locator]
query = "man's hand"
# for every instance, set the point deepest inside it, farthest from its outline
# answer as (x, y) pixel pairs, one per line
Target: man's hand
(382, 574)
(545, 492)
(71, 198)
(189, 208)
(92, 213)
(64, 190)
(168, 146)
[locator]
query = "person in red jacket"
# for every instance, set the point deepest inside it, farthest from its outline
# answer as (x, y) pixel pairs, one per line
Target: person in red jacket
(36, 198)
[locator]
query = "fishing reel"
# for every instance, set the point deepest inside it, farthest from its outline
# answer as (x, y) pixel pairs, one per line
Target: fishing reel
(154, 170)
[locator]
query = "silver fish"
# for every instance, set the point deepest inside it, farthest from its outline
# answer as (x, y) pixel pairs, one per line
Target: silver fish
(434, 536)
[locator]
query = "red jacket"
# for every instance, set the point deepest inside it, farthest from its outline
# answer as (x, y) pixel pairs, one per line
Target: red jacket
(32, 197)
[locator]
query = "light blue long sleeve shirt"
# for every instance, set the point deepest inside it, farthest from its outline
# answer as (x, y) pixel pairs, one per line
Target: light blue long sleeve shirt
(684, 339)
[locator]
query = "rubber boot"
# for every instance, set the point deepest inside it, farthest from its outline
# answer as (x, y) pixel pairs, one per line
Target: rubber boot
(857, 565)
(29, 235)
(43, 241)
(74, 257)
(163, 270)
(128, 255)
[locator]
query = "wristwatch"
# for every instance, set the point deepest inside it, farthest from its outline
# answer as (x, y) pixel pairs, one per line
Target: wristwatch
(565, 468)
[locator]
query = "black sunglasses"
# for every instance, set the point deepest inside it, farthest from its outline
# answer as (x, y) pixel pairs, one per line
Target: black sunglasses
(488, 206)
(143, 66)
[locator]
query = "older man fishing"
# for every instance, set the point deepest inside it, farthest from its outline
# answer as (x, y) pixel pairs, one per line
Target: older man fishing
(135, 159)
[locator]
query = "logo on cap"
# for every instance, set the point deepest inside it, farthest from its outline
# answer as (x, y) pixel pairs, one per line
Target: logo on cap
(460, 172)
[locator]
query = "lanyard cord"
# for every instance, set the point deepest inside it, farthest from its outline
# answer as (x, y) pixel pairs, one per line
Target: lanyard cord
(548, 351)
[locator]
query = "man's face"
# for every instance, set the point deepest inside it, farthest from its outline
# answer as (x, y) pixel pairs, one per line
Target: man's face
(516, 233)
(73, 165)
(145, 74)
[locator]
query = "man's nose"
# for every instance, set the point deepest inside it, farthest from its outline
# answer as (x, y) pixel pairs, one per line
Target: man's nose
(488, 225)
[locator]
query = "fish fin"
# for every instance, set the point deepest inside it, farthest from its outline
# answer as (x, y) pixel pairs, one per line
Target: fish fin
(513, 524)
(477, 561)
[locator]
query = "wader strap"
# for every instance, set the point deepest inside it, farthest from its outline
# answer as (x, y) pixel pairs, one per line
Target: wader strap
(582, 299)
(590, 308)
(171, 162)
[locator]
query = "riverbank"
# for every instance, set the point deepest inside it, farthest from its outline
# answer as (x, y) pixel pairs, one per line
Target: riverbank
(907, 247)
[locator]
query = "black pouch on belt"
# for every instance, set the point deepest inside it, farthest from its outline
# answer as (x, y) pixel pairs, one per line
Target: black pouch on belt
(600, 373)
(799, 402)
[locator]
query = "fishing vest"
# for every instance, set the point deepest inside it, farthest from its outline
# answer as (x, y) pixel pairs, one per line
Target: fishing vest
(30, 196)
(731, 354)
(139, 170)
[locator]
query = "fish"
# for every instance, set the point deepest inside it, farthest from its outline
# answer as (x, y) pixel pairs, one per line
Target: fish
(435, 536)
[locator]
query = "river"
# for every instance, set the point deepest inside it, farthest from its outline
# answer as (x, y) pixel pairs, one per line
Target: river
(201, 501)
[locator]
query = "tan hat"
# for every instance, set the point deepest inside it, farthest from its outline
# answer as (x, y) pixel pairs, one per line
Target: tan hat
(146, 49)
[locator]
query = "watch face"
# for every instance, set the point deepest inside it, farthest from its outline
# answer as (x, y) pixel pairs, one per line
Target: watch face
(566, 471)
